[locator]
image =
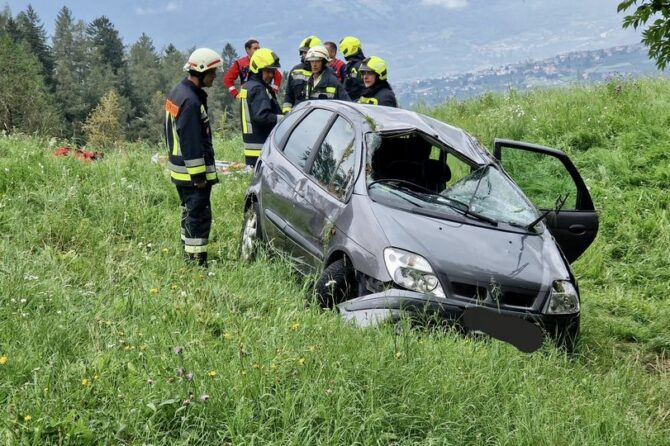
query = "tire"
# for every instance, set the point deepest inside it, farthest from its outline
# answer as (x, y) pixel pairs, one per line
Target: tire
(252, 236)
(336, 284)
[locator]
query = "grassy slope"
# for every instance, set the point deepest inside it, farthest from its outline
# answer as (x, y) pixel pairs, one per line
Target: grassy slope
(95, 298)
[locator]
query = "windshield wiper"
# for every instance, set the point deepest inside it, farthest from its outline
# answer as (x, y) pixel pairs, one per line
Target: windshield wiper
(558, 205)
(463, 208)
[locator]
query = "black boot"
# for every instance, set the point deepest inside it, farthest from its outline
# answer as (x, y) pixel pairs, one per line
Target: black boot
(201, 257)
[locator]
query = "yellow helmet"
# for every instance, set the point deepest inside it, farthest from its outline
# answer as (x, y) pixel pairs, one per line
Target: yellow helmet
(309, 42)
(376, 65)
(350, 45)
(203, 59)
(263, 58)
(318, 52)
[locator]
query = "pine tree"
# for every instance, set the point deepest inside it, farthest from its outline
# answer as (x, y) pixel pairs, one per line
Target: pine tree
(25, 103)
(106, 44)
(144, 76)
(171, 67)
(33, 34)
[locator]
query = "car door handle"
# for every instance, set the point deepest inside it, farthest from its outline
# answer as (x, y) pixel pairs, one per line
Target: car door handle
(577, 229)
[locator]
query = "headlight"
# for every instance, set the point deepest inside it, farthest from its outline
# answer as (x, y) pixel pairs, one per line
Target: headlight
(412, 271)
(563, 299)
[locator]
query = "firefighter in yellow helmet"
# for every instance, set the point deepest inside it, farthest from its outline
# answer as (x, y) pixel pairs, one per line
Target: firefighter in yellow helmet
(260, 110)
(297, 77)
(350, 47)
(322, 83)
(191, 154)
(377, 89)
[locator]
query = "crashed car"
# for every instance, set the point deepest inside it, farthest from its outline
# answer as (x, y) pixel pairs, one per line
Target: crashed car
(401, 214)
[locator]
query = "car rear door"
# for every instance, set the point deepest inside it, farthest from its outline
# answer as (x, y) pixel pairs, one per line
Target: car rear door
(548, 176)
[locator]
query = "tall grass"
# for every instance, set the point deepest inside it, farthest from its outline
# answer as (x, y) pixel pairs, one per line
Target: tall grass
(101, 322)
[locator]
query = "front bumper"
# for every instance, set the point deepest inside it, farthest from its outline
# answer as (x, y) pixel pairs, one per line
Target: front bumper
(523, 329)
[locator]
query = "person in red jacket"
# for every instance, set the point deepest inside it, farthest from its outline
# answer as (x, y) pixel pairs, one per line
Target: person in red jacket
(335, 64)
(240, 70)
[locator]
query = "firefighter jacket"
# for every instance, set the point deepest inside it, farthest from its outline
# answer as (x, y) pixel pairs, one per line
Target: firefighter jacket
(189, 136)
(325, 86)
(295, 86)
(379, 94)
(260, 112)
(353, 80)
(240, 70)
(338, 67)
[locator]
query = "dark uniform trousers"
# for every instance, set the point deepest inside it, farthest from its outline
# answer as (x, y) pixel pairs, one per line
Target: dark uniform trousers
(196, 219)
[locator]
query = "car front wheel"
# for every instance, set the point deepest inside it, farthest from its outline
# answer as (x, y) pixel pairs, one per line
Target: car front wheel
(336, 284)
(251, 234)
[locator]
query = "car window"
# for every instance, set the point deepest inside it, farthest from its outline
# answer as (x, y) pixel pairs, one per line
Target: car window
(286, 124)
(334, 162)
(304, 136)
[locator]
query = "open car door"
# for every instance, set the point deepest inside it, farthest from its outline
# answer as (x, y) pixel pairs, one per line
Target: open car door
(547, 176)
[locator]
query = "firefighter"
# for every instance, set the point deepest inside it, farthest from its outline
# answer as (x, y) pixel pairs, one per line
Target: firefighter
(377, 89)
(297, 78)
(322, 83)
(353, 82)
(335, 64)
(191, 154)
(260, 110)
(240, 70)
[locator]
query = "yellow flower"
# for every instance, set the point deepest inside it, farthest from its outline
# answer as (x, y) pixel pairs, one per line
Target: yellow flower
(274, 366)
(255, 365)
(173, 286)
(312, 348)
(227, 335)
(4, 360)
(301, 361)
(398, 355)
(154, 291)
(165, 250)
(295, 326)
(85, 382)
(212, 374)
(96, 377)
(27, 418)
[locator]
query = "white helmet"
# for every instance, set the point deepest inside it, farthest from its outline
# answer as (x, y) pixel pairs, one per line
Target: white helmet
(203, 59)
(317, 52)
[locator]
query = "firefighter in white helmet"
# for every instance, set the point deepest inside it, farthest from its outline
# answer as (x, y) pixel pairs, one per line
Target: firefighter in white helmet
(323, 83)
(191, 154)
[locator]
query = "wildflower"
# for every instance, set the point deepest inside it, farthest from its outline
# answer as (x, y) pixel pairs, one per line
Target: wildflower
(150, 382)
(329, 391)
(96, 377)
(227, 335)
(295, 326)
(204, 398)
(212, 374)
(189, 376)
(85, 382)
(178, 350)
(179, 371)
(153, 290)
(274, 366)
(187, 402)
(121, 333)
(183, 294)
(312, 348)
(165, 250)
(398, 355)
(4, 360)
(255, 365)
(173, 286)
(210, 274)
(301, 361)
(27, 418)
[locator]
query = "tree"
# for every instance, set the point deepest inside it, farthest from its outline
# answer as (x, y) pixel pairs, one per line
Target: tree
(144, 75)
(657, 35)
(25, 102)
(106, 43)
(33, 34)
(104, 126)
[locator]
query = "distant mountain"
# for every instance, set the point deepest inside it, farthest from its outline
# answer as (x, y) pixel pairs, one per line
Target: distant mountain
(564, 69)
(419, 39)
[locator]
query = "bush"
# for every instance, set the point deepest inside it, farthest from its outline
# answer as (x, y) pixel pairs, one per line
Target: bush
(103, 127)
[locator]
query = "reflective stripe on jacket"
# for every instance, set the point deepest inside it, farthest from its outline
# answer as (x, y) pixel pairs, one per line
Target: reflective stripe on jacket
(295, 86)
(188, 136)
(379, 94)
(325, 86)
(259, 111)
(353, 80)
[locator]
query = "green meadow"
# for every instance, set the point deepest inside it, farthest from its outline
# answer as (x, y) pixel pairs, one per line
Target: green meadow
(108, 337)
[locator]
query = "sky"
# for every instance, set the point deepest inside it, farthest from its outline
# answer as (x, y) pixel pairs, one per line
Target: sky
(419, 38)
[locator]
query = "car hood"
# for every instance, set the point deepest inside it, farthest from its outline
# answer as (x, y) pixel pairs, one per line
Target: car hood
(475, 253)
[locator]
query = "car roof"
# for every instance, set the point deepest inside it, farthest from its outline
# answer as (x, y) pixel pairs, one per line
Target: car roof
(397, 120)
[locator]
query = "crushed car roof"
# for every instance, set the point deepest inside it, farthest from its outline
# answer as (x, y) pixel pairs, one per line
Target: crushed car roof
(390, 120)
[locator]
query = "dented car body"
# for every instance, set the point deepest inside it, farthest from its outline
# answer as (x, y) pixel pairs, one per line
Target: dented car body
(401, 214)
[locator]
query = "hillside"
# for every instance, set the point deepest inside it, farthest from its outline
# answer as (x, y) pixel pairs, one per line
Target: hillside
(102, 322)
(576, 67)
